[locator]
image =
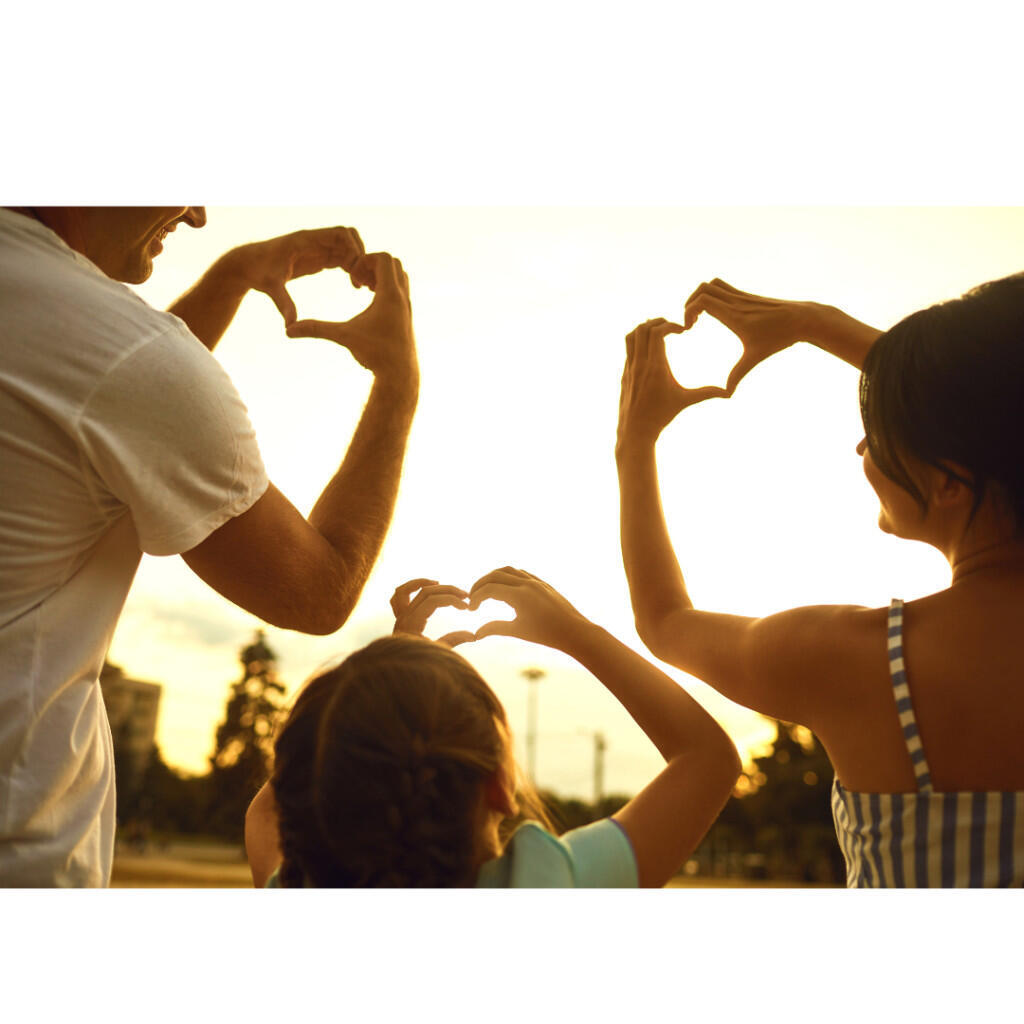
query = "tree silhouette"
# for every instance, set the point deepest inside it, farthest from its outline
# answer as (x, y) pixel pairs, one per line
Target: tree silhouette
(789, 809)
(243, 744)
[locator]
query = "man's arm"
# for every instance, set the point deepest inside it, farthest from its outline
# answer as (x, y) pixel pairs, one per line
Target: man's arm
(307, 575)
(209, 306)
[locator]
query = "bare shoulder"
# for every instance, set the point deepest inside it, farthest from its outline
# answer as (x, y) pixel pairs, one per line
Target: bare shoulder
(821, 660)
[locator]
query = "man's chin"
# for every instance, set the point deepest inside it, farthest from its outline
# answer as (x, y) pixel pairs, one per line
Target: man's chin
(136, 271)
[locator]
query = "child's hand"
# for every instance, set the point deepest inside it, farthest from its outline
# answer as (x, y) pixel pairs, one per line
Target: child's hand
(411, 613)
(543, 616)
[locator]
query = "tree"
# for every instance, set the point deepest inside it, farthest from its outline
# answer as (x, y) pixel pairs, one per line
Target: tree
(790, 811)
(243, 744)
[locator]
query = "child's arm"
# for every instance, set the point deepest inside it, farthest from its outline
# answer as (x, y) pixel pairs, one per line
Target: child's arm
(668, 819)
(261, 841)
(766, 326)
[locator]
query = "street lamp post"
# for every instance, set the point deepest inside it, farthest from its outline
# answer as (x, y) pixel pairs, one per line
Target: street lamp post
(532, 677)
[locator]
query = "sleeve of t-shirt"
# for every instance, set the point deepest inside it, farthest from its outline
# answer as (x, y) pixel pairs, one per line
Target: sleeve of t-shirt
(166, 433)
(602, 856)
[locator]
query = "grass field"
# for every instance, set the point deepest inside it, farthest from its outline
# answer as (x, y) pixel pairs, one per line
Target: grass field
(208, 866)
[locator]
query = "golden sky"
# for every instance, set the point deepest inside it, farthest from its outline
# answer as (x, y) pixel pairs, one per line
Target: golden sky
(520, 315)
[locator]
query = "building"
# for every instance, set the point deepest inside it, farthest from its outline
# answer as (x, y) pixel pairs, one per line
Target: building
(132, 707)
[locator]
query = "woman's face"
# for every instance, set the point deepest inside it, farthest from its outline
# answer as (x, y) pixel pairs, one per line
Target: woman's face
(898, 514)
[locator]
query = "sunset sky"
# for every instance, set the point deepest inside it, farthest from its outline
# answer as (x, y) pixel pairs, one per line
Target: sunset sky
(520, 314)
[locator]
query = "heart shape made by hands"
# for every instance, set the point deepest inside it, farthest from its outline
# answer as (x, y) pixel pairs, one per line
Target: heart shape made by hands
(326, 291)
(704, 354)
(457, 620)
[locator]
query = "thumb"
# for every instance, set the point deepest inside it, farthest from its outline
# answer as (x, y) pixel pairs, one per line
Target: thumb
(744, 365)
(315, 329)
(279, 294)
(462, 636)
(500, 627)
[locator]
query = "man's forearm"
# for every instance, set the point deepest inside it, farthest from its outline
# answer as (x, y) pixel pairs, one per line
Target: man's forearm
(656, 584)
(355, 509)
(210, 305)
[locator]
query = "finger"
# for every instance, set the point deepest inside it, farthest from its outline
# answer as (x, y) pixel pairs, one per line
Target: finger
(694, 396)
(462, 636)
(631, 344)
(744, 365)
(385, 272)
(496, 590)
(719, 308)
(315, 329)
(361, 273)
(423, 607)
(716, 289)
(506, 574)
(500, 627)
(356, 241)
(432, 588)
(345, 248)
(663, 329)
(749, 296)
(402, 595)
(279, 294)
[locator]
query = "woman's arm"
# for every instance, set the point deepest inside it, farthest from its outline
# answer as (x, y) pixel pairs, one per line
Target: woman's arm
(777, 664)
(668, 819)
(766, 326)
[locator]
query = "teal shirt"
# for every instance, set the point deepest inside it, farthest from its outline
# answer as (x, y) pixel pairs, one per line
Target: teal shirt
(596, 856)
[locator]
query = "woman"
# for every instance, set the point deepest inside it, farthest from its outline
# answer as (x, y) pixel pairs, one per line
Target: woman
(919, 707)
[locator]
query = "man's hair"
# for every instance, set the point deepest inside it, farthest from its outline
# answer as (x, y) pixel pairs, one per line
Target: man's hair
(945, 386)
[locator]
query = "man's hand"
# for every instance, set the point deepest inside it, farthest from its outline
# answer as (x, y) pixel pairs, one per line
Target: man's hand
(651, 397)
(381, 337)
(412, 613)
(268, 266)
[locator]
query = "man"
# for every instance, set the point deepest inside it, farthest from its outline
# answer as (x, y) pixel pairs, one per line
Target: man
(121, 434)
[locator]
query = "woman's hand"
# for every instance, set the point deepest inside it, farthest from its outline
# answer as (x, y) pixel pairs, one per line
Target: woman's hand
(651, 397)
(412, 613)
(764, 326)
(543, 616)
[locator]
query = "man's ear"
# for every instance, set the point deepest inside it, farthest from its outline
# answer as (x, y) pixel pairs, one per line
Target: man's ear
(500, 793)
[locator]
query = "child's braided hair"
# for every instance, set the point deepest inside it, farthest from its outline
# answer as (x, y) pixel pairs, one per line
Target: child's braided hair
(380, 767)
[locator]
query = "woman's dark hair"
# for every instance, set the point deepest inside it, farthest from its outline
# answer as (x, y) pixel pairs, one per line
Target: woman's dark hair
(380, 767)
(946, 386)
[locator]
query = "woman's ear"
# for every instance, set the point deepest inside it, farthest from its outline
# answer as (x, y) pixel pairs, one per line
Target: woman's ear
(500, 793)
(948, 487)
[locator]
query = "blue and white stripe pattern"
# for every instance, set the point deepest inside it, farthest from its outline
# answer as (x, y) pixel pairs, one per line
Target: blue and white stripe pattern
(926, 839)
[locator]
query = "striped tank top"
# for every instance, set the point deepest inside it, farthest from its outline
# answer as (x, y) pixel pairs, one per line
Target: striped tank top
(926, 839)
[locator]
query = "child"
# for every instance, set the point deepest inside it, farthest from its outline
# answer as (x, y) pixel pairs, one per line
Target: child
(395, 769)
(920, 707)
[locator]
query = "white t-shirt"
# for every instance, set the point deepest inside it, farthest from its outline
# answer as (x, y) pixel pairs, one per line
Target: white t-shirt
(119, 433)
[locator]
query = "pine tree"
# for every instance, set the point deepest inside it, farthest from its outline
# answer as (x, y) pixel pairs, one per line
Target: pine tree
(240, 762)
